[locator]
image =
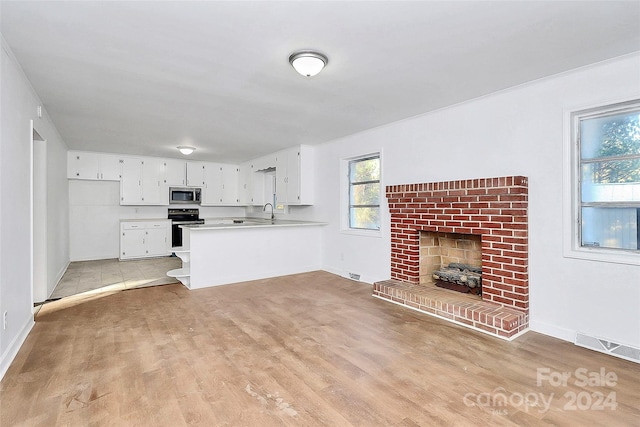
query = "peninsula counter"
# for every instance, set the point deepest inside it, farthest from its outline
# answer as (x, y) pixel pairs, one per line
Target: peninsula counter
(246, 249)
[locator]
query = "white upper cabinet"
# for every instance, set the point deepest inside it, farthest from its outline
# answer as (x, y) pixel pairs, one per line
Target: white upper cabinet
(110, 166)
(229, 178)
(212, 184)
(154, 188)
(294, 176)
(220, 184)
(245, 173)
(142, 182)
(93, 166)
(175, 172)
(146, 180)
(131, 181)
(195, 174)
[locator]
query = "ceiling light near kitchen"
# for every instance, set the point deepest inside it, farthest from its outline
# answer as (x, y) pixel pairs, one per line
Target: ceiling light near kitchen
(186, 150)
(308, 62)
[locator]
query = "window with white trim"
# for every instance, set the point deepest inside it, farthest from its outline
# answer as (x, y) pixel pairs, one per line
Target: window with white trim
(607, 156)
(364, 193)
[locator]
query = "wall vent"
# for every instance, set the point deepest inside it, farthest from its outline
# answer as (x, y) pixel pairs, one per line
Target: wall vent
(608, 347)
(354, 276)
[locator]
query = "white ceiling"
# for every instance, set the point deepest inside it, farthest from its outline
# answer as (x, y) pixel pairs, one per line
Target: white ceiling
(143, 77)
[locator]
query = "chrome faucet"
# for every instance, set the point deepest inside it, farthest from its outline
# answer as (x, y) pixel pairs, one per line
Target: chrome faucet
(264, 209)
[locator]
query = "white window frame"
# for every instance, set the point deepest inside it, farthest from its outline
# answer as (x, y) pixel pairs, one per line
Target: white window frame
(572, 247)
(344, 197)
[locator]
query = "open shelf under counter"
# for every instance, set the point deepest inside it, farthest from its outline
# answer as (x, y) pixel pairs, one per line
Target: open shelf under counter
(182, 252)
(182, 274)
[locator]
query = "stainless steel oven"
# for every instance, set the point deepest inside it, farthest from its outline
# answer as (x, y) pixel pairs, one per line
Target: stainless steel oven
(180, 217)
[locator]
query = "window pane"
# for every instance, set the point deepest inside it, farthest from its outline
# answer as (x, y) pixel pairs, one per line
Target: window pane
(615, 228)
(611, 181)
(615, 135)
(364, 170)
(612, 171)
(368, 218)
(365, 194)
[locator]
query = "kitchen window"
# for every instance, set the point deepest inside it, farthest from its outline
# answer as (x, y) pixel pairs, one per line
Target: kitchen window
(364, 193)
(606, 179)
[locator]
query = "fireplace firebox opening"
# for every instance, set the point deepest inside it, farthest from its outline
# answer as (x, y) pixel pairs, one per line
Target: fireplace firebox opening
(452, 261)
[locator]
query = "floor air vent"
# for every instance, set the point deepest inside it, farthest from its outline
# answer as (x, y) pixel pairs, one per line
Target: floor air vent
(608, 347)
(354, 276)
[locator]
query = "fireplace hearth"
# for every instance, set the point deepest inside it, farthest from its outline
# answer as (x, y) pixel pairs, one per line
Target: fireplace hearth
(489, 213)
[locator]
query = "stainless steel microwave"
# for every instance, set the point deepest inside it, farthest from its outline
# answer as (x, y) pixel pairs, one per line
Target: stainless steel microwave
(184, 195)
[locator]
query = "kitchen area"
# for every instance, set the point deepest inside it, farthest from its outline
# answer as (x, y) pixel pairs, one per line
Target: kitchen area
(134, 208)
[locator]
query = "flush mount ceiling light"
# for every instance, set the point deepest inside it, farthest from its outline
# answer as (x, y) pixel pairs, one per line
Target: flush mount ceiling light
(186, 150)
(308, 62)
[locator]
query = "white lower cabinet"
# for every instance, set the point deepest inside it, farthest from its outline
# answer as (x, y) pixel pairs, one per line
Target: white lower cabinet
(142, 239)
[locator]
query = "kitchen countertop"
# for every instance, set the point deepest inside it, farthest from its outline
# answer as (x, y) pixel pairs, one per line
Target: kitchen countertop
(144, 219)
(226, 223)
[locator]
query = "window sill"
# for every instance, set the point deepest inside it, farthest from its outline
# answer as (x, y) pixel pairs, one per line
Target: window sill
(603, 255)
(364, 233)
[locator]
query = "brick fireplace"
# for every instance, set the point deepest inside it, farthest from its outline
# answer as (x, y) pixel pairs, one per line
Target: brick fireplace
(491, 213)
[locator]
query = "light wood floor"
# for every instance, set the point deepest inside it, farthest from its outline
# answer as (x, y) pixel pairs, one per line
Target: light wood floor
(305, 350)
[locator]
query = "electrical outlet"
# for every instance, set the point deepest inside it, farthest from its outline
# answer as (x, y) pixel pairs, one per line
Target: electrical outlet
(4, 320)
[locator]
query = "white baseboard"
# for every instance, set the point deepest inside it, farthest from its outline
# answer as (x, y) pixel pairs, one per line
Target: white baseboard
(552, 330)
(363, 278)
(93, 258)
(14, 346)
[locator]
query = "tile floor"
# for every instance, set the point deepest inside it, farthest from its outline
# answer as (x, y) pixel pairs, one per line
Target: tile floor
(113, 274)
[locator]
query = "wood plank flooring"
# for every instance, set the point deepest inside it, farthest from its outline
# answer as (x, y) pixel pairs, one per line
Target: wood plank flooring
(304, 350)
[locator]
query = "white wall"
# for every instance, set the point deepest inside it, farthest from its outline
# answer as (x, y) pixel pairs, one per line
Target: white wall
(95, 214)
(19, 106)
(514, 132)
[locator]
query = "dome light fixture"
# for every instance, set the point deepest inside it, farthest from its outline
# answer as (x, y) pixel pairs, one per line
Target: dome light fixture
(186, 150)
(308, 62)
